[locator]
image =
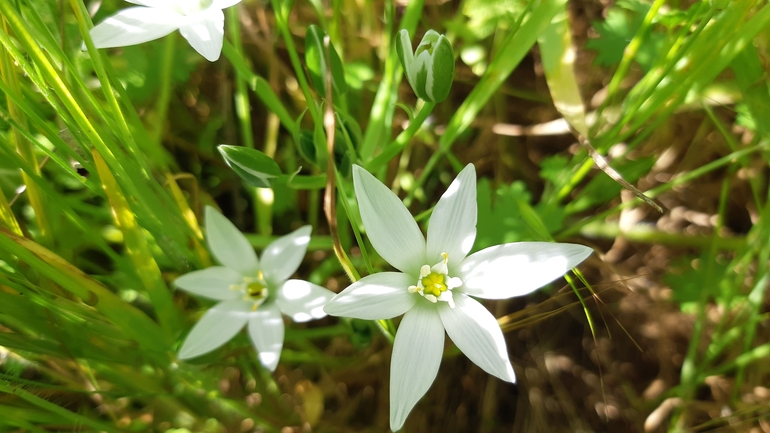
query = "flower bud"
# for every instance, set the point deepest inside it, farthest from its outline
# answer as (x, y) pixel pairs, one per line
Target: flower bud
(431, 68)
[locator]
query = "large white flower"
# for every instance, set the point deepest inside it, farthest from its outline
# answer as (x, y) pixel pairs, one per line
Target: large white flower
(436, 282)
(201, 22)
(253, 292)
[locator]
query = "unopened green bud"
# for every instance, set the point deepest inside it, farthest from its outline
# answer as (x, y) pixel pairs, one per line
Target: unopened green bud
(431, 68)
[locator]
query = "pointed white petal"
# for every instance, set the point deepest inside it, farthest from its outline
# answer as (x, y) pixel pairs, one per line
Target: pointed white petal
(228, 244)
(224, 4)
(205, 33)
(416, 357)
(283, 256)
(388, 223)
(516, 269)
(215, 328)
(212, 283)
(135, 25)
(266, 331)
(151, 3)
(452, 227)
(303, 301)
(378, 296)
(476, 332)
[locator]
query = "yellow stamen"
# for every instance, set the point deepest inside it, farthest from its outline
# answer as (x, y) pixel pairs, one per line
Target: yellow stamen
(435, 284)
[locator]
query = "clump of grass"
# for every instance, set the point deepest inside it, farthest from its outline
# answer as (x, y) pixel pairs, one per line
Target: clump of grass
(108, 158)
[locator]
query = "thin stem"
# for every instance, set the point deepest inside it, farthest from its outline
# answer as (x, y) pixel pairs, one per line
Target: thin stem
(164, 95)
(381, 114)
(260, 87)
(330, 196)
(402, 139)
(281, 20)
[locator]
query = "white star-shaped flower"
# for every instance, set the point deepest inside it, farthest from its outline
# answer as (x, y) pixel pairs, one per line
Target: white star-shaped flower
(253, 292)
(201, 22)
(437, 281)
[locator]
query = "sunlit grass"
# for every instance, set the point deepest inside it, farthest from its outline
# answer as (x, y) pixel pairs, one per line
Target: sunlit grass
(108, 157)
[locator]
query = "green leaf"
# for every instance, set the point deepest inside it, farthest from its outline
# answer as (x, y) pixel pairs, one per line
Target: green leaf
(558, 57)
(499, 220)
(602, 189)
(306, 146)
(251, 165)
(689, 279)
(317, 63)
(618, 29)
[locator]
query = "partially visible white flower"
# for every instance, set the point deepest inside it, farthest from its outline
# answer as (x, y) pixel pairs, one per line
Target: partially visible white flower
(436, 282)
(201, 22)
(253, 292)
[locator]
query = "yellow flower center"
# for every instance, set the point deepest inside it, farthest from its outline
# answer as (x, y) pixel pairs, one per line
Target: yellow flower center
(435, 284)
(256, 290)
(253, 289)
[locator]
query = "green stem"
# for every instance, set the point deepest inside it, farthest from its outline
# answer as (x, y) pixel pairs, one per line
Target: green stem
(690, 367)
(282, 9)
(629, 54)
(241, 96)
(164, 94)
(116, 115)
(650, 235)
(261, 88)
(381, 113)
(345, 206)
(24, 147)
(512, 51)
(403, 138)
(687, 177)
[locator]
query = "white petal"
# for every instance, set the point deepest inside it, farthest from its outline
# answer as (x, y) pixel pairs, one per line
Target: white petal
(135, 25)
(215, 328)
(303, 301)
(416, 357)
(388, 223)
(228, 244)
(378, 296)
(283, 256)
(516, 269)
(212, 283)
(205, 33)
(452, 227)
(224, 4)
(476, 332)
(266, 332)
(152, 3)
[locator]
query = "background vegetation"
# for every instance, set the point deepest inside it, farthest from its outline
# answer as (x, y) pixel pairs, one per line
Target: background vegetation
(108, 157)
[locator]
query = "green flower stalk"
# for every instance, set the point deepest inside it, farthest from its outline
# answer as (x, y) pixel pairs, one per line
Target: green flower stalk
(431, 68)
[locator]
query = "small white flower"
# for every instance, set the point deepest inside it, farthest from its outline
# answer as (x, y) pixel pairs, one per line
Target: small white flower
(201, 22)
(436, 282)
(253, 292)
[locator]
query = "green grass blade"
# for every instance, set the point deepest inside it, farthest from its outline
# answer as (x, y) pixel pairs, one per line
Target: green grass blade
(46, 405)
(516, 45)
(133, 322)
(139, 252)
